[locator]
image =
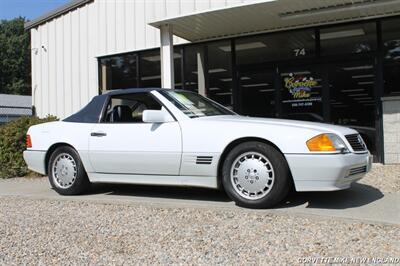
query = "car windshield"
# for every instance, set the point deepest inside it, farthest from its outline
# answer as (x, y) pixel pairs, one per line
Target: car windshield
(194, 105)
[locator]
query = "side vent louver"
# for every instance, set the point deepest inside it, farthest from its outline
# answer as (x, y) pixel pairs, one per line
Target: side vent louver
(204, 159)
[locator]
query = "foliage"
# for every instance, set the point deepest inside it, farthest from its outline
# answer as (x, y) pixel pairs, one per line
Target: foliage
(12, 145)
(15, 57)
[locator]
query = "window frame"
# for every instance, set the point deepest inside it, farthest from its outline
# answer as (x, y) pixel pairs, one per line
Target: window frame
(109, 98)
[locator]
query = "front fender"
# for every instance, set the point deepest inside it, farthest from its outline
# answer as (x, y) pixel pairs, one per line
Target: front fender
(210, 136)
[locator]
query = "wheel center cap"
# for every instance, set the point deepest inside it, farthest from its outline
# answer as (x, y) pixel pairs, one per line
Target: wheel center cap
(251, 175)
(64, 170)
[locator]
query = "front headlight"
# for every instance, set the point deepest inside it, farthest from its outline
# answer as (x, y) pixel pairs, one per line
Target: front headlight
(327, 143)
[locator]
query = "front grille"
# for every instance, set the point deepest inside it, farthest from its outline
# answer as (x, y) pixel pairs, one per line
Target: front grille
(356, 142)
(358, 170)
(204, 159)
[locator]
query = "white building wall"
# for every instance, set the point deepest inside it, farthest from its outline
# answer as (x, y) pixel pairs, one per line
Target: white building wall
(64, 49)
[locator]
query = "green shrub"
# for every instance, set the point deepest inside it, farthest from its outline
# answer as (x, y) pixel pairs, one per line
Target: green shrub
(13, 143)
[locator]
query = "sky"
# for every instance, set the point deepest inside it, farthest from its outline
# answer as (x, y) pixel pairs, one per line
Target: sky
(30, 9)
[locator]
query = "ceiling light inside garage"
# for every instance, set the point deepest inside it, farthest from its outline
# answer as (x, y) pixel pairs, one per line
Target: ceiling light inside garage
(363, 76)
(365, 83)
(230, 79)
(255, 85)
(156, 58)
(190, 83)
(358, 67)
(244, 46)
(151, 77)
(215, 70)
(224, 93)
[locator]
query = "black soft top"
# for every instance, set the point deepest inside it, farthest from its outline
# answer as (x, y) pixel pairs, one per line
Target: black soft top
(92, 112)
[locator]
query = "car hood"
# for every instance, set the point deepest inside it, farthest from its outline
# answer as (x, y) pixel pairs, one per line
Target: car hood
(322, 127)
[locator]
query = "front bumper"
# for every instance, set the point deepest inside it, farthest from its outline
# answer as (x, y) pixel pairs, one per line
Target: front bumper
(327, 172)
(35, 161)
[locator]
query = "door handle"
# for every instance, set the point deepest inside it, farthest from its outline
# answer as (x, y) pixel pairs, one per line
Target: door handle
(98, 134)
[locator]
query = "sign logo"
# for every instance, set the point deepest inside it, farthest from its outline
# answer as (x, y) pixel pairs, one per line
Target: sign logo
(302, 90)
(300, 87)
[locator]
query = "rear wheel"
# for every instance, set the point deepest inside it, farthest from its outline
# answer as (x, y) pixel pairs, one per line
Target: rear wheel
(256, 175)
(67, 175)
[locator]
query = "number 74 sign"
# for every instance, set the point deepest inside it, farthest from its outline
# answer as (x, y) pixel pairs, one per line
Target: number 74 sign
(299, 52)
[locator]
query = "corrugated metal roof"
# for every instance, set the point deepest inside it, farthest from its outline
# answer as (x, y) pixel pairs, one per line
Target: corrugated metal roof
(14, 106)
(55, 13)
(15, 112)
(15, 100)
(274, 15)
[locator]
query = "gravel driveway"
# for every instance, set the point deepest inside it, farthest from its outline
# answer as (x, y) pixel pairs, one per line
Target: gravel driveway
(49, 231)
(386, 178)
(67, 232)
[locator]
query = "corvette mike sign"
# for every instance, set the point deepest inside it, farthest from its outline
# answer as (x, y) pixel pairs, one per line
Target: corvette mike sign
(301, 90)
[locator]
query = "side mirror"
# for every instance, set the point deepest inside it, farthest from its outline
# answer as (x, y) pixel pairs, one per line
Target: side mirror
(157, 116)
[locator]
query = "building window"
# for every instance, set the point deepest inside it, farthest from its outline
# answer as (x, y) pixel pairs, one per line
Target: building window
(273, 47)
(118, 72)
(256, 93)
(178, 51)
(352, 101)
(150, 69)
(194, 68)
(350, 39)
(220, 81)
(391, 56)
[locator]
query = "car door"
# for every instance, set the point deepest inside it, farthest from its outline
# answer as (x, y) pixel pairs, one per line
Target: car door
(123, 144)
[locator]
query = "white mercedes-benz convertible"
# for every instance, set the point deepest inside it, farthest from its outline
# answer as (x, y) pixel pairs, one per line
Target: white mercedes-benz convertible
(174, 137)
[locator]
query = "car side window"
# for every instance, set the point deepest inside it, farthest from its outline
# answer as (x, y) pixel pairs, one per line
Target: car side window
(128, 108)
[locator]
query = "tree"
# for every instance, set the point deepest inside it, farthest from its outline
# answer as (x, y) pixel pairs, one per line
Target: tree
(15, 57)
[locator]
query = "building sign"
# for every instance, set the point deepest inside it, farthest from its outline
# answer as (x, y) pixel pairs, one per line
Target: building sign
(302, 90)
(299, 52)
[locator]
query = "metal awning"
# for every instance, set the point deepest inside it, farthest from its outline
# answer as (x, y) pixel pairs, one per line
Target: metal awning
(274, 15)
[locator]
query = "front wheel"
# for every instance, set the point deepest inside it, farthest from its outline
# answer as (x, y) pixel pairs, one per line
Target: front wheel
(67, 175)
(256, 175)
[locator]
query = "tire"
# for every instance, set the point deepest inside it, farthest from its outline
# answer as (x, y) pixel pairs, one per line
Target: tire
(247, 177)
(66, 173)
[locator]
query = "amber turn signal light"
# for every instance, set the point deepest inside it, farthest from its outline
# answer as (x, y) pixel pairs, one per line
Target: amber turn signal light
(28, 141)
(321, 143)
